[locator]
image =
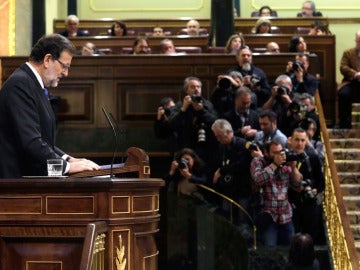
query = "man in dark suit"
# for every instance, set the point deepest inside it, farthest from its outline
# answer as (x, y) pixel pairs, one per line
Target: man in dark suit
(72, 27)
(27, 121)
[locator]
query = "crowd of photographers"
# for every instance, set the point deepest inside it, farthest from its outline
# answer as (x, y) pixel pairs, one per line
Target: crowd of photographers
(258, 145)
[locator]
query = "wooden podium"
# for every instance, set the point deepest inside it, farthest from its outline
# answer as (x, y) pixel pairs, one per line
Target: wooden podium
(44, 221)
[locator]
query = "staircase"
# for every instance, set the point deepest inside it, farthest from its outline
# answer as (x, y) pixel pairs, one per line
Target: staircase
(345, 145)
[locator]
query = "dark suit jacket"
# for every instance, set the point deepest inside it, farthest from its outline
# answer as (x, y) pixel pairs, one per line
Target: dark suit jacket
(251, 119)
(79, 33)
(27, 126)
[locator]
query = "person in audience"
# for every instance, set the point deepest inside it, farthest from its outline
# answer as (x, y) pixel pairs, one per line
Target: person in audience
(318, 28)
(224, 94)
(265, 11)
(158, 32)
(297, 44)
(349, 89)
(272, 47)
(27, 122)
(309, 101)
(232, 176)
(308, 10)
(192, 118)
(274, 174)
(280, 99)
(118, 29)
(90, 49)
(141, 46)
(243, 119)
(302, 253)
(306, 200)
(167, 46)
(234, 43)
(193, 27)
(262, 26)
(72, 27)
(303, 82)
(269, 130)
(254, 77)
(161, 125)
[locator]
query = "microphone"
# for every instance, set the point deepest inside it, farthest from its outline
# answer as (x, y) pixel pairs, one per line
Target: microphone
(107, 116)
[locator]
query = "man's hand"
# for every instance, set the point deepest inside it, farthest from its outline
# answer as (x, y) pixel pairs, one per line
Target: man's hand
(217, 176)
(82, 164)
(160, 113)
(186, 103)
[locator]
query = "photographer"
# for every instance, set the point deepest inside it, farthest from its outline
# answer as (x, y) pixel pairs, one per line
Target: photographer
(302, 81)
(224, 93)
(243, 119)
(161, 124)
(232, 176)
(187, 170)
(295, 114)
(192, 118)
(307, 202)
(309, 101)
(254, 77)
(274, 175)
(280, 99)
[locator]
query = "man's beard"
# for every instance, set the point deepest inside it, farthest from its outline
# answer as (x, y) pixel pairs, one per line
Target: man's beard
(246, 67)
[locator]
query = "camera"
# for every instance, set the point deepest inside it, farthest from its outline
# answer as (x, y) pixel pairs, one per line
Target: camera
(202, 133)
(291, 156)
(196, 99)
(283, 90)
(296, 66)
(167, 111)
(224, 83)
(309, 195)
(296, 107)
(255, 79)
(183, 163)
(251, 146)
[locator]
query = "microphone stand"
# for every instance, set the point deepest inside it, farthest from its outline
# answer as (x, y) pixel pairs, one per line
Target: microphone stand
(115, 140)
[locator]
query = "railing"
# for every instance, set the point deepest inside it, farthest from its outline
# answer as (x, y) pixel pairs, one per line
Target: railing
(341, 239)
(93, 255)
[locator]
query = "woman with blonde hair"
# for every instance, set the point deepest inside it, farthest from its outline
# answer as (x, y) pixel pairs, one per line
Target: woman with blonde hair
(234, 43)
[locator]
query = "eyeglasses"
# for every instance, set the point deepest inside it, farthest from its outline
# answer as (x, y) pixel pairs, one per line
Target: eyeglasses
(64, 66)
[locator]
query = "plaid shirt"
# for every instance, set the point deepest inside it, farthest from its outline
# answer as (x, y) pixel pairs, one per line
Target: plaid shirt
(275, 184)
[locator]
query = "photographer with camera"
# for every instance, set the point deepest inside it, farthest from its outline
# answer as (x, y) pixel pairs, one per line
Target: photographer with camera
(307, 199)
(224, 93)
(302, 81)
(161, 124)
(232, 176)
(254, 77)
(243, 119)
(192, 118)
(274, 175)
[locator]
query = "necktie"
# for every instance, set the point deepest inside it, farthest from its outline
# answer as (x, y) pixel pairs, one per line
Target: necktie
(46, 92)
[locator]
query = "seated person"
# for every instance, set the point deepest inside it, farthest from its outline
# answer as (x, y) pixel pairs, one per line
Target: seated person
(158, 32)
(265, 11)
(167, 46)
(262, 26)
(224, 94)
(141, 46)
(303, 82)
(234, 43)
(272, 47)
(308, 10)
(297, 44)
(193, 27)
(72, 27)
(118, 29)
(90, 49)
(319, 29)
(254, 77)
